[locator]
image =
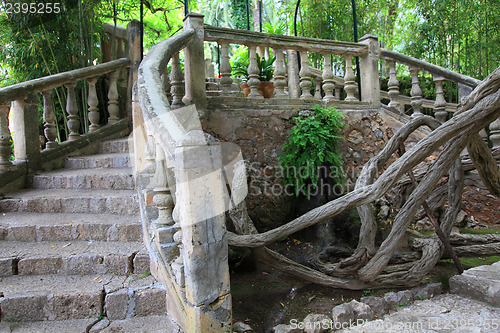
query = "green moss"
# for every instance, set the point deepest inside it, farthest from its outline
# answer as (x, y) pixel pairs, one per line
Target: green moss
(480, 231)
(475, 261)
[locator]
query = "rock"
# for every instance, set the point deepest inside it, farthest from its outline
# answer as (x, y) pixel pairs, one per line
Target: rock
(461, 221)
(384, 212)
(150, 301)
(426, 291)
(378, 305)
(102, 324)
(424, 224)
(116, 305)
(76, 306)
(317, 323)
(401, 298)
(343, 315)
(141, 263)
(39, 266)
(282, 328)
(7, 266)
(240, 327)
(361, 310)
(481, 283)
(477, 207)
(24, 308)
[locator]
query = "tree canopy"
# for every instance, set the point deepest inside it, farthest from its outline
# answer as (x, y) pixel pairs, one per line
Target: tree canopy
(462, 35)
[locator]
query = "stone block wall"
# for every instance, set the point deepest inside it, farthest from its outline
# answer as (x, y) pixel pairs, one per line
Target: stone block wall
(260, 132)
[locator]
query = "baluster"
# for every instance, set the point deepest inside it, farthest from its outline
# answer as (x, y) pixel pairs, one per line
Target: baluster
(113, 108)
(305, 77)
(225, 70)
(328, 83)
(279, 74)
(92, 101)
(440, 112)
(164, 224)
(72, 110)
(317, 88)
(49, 119)
(393, 85)
(176, 78)
(150, 166)
(5, 138)
(349, 79)
(495, 133)
(416, 93)
(253, 73)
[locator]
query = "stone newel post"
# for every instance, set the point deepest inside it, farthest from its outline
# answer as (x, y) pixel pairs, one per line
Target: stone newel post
(194, 64)
(201, 198)
(370, 85)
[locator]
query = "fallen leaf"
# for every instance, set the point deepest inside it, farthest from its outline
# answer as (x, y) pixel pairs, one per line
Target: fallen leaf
(66, 245)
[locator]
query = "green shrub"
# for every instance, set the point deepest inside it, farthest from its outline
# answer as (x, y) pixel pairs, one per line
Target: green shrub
(312, 144)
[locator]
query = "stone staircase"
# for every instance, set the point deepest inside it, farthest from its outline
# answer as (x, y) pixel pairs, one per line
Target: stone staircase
(71, 251)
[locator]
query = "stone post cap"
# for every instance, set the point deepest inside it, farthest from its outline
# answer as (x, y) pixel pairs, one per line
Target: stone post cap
(192, 15)
(368, 36)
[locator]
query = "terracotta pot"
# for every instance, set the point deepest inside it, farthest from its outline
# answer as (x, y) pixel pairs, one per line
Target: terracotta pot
(265, 89)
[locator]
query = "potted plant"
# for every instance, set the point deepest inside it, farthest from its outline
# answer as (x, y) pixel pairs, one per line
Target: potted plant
(266, 69)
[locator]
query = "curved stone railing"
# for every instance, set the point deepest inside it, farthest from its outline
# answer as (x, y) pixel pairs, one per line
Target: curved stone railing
(180, 186)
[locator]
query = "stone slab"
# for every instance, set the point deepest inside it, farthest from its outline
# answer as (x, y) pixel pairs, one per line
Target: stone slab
(116, 160)
(149, 324)
(61, 326)
(115, 178)
(114, 146)
(481, 283)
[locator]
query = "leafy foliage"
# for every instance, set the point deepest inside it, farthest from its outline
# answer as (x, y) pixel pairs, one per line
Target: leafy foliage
(266, 69)
(313, 143)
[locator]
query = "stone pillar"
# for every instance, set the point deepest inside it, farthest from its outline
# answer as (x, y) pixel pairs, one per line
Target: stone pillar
(72, 110)
(305, 77)
(5, 137)
(279, 74)
(440, 112)
(416, 93)
(253, 73)
(49, 119)
(293, 74)
(25, 127)
(202, 201)
(370, 83)
(349, 83)
(134, 54)
(393, 85)
(328, 82)
(225, 69)
(176, 78)
(92, 101)
(113, 107)
(194, 63)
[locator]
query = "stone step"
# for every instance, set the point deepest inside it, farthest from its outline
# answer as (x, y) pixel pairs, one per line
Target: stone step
(37, 227)
(114, 146)
(113, 160)
(481, 283)
(69, 258)
(72, 297)
(101, 178)
(59, 326)
(121, 202)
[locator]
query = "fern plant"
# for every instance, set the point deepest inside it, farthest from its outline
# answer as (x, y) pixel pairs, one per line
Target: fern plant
(312, 143)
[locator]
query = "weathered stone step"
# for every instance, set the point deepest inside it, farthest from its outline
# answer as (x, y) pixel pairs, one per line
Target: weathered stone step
(102, 178)
(55, 297)
(68, 258)
(481, 283)
(116, 160)
(122, 202)
(114, 146)
(59, 326)
(37, 227)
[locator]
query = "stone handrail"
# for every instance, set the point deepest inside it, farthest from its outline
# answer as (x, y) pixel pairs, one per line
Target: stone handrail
(176, 166)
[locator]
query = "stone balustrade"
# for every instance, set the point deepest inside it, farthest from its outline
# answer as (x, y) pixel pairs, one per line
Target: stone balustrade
(285, 48)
